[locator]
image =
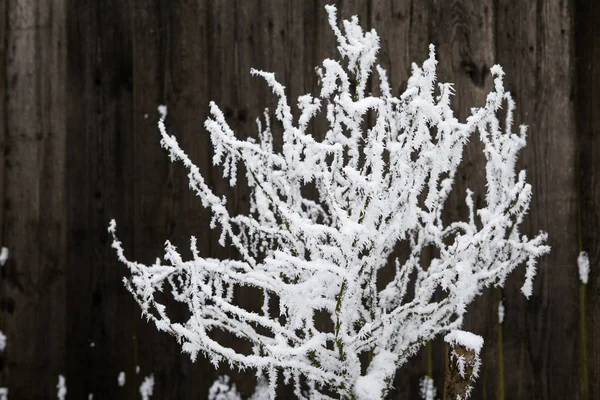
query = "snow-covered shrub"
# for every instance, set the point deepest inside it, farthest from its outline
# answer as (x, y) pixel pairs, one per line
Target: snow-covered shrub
(306, 256)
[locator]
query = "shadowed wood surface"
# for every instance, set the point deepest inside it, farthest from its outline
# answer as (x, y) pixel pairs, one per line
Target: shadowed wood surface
(80, 82)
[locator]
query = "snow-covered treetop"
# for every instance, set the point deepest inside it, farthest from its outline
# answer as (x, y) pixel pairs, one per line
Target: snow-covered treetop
(376, 187)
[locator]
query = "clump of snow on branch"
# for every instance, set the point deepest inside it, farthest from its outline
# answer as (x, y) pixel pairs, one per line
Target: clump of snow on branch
(376, 187)
(147, 387)
(61, 388)
(3, 256)
(583, 263)
(427, 390)
(3, 393)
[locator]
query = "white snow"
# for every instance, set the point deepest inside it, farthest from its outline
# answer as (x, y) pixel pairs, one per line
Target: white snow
(427, 389)
(121, 378)
(162, 111)
(261, 391)
(3, 255)
(373, 188)
(583, 263)
(465, 339)
(372, 386)
(61, 388)
(501, 311)
(3, 393)
(223, 389)
(147, 387)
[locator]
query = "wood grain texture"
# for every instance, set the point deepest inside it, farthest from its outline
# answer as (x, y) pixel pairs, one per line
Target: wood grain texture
(80, 82)
(541, 336)
(587, 100)
(33, 192)
(101, 316)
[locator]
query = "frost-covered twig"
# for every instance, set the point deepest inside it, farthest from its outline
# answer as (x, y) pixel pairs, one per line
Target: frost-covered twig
(309, 256)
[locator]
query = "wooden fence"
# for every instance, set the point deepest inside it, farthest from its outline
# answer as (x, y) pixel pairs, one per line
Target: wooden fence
(80, 82)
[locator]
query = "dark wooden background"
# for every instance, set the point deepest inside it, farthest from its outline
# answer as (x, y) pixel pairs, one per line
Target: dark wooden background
(80, 81)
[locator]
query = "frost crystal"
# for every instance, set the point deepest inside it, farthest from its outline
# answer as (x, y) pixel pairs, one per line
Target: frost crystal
(61, 388)
(121, 379)
(162, 111)
(223, 389)
(147, 387)
(2, 341)
(427, 388)
(583, 263)
(501, 312)
(382, 173)
(3, 255)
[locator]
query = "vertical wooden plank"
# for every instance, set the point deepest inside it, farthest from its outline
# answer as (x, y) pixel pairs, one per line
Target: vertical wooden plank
(534, 45)
(587, 104)
(33, 281)
(101, 318)
(152, 201)
(3, 97)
